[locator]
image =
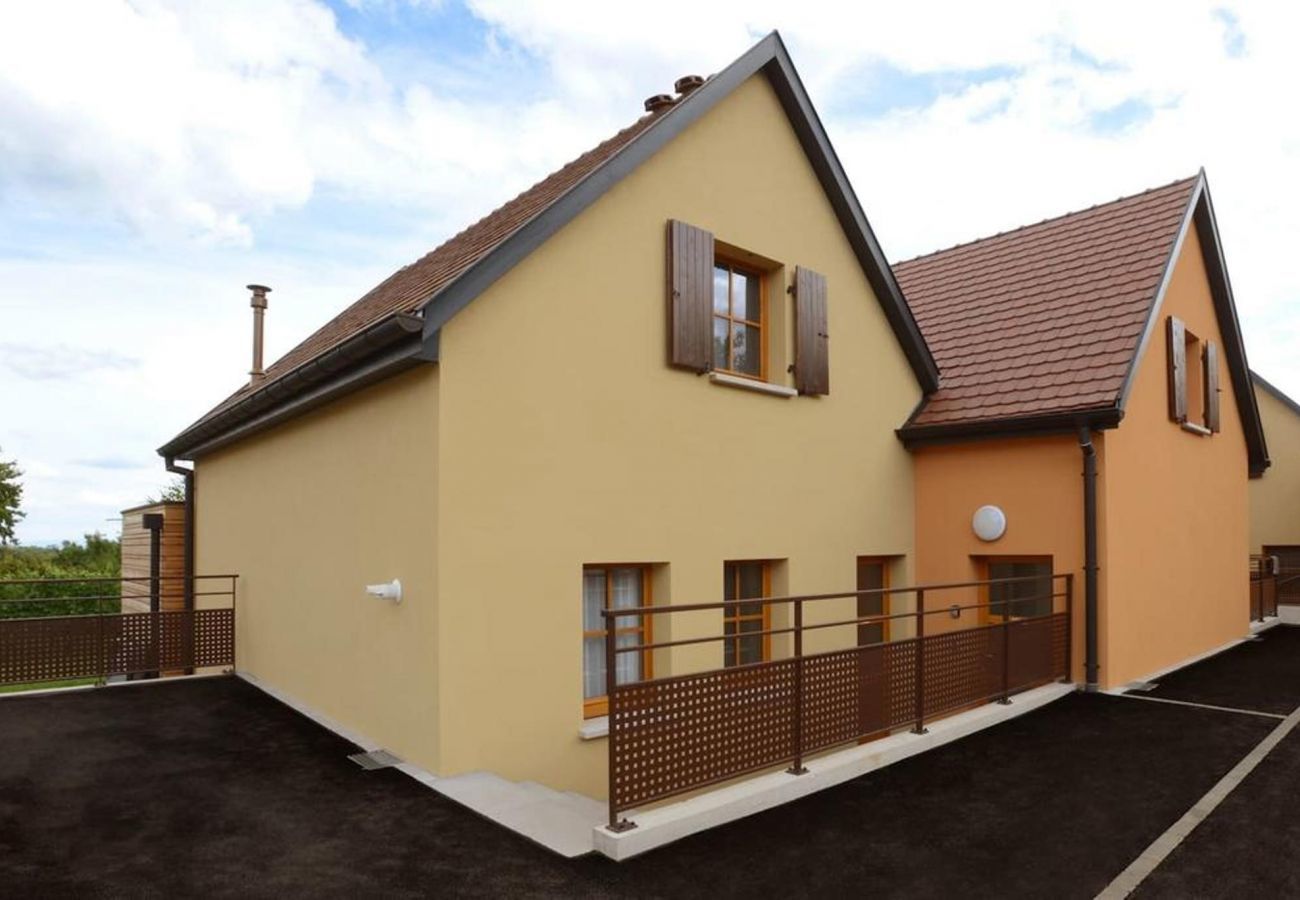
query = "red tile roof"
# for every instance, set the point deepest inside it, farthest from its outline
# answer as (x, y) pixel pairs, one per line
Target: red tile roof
(1047, 318)
(407, 289)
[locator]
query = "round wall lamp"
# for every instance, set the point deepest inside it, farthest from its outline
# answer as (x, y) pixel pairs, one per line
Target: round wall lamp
(989, 523)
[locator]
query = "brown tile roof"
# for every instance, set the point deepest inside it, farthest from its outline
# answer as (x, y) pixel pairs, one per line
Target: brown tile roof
(1047, 318)
(407, 289)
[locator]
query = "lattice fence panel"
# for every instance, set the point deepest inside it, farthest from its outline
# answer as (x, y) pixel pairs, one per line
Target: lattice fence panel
(844, 696)
(51, 649)
(962, 668)
(674, 734)
(34, 650)
(900, 682)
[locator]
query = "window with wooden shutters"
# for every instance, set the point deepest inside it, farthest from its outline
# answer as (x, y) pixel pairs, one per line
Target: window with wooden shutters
(1211, 375)
(811, 335)
(690, 296)
(1177, 335)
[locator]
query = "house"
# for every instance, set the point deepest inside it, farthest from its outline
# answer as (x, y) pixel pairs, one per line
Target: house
(1275, 498)
(1103, 342)
(620, 391)
(512, 427)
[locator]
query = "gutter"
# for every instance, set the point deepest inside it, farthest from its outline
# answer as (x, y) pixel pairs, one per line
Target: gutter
(1019, 426)
(385, 348)
(1089, 558)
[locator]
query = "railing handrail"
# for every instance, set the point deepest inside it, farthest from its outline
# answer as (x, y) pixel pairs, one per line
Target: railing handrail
(842, 623)
(107, 578)
(668, 608)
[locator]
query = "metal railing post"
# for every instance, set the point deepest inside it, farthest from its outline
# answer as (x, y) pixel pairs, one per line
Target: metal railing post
(611, 684)
(920, 663)
(1005, 699)
(1069, 626)
(798, 767)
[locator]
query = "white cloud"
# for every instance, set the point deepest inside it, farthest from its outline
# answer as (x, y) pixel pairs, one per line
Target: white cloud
(215, 133)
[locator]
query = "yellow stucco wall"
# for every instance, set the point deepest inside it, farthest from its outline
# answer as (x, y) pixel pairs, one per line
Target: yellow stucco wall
(1178, 519)
(1037, 482)
(1275, 497)
(565, 439)
(309, 513)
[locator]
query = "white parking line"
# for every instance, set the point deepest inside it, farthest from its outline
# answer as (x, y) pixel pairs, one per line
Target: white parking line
(1128, 880)
(1233, 709)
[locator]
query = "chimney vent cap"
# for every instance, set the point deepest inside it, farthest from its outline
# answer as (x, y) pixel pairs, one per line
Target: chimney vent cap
(658, 102)
(687, 83)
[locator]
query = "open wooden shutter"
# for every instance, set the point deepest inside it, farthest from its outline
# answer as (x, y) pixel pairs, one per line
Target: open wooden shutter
(690, 296)
(1211, 365)
(811, 337)
(1177, 333)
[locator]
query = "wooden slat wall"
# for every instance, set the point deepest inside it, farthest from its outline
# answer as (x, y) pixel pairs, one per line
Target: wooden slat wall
(135, 557)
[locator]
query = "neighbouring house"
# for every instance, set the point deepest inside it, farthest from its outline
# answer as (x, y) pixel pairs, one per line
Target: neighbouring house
(1275, 498)
(1103, 341)
(620, 390)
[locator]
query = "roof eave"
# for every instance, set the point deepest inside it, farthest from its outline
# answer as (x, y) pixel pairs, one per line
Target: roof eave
(1035, 425)
(387, 347)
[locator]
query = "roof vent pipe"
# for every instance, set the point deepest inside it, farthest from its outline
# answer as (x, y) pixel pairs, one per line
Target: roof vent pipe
(687, 83)
(258, 302)
(658, 102)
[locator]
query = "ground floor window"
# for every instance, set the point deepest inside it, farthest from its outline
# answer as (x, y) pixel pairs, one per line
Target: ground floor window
(612, 587)
(873, 574)
(1019, 599)
(744, 623)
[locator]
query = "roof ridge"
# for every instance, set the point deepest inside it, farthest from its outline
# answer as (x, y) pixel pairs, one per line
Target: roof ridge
(1047, 221)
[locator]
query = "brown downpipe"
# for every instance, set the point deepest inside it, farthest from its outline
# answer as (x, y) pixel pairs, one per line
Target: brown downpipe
(1089, 558)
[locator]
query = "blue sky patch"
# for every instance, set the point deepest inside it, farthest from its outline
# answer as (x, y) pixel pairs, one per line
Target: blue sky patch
(1121, 117)
(882, 88)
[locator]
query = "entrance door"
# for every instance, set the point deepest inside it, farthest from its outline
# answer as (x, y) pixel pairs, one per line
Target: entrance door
(873, 574)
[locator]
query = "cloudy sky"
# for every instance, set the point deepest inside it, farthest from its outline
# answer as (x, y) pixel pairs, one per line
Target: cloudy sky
(156, 157)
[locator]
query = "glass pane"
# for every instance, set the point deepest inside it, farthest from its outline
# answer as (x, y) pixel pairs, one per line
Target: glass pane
(871, 634)
(729, 581)
(721, 300)
(593, 599)
(751, 649)
(720, 360)
(593, 667)
(751, 579)
(746, 297)
(728, 653)
(751, 609)
(625, 591)
(751, 624)
(627, 666)
(871, 576)
(747, 352)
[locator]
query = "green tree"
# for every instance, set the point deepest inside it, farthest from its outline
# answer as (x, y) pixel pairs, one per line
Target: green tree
(173, 491)
(11, 498)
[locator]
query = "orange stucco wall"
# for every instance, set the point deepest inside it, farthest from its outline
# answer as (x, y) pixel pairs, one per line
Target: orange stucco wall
(1173, 518)
(1179, 520)
(1037, 482)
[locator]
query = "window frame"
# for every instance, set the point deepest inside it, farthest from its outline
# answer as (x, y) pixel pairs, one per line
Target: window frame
(733, 264)
(594, 707)
(987, 616)
(731, 613)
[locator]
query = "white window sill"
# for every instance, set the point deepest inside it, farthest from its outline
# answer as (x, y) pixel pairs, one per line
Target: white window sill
(594, 728)
(1196, 429)
(750, 384)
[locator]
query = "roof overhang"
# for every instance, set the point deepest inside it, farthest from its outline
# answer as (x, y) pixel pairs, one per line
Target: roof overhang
(391, 345)
(1038, 425)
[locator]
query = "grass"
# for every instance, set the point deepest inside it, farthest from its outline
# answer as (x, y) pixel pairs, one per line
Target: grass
(45, 685)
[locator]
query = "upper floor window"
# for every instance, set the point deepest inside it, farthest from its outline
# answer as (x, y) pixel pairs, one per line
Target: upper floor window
(744, 623)
(739, 319)
(1193, 368)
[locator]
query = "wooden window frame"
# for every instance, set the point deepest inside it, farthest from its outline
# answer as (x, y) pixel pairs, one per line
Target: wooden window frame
(884, 562)
(731, 614)
(987, 616)
(732, 264)
(594, 707)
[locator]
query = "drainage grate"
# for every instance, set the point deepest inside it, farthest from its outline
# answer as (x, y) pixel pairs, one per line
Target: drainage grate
(375, 759)
(1143, 686)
